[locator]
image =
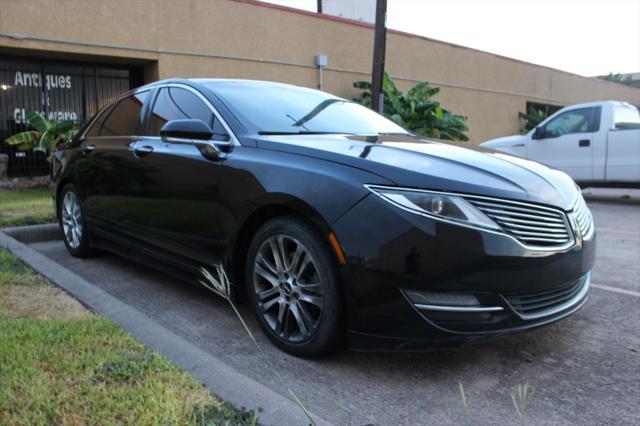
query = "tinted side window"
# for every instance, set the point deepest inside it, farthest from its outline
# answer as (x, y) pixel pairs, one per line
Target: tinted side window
(219, 132)
(574, 121)
(173, 104)
(96, 126)
(125, 119)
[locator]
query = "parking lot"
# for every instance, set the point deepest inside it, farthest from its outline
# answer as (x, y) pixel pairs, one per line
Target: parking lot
(584, 370)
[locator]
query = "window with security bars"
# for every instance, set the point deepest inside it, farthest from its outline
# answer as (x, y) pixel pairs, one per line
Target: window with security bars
(58, 90)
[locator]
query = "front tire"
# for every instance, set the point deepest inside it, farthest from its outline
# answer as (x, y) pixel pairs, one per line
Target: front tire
(72, 222)
(292, 285)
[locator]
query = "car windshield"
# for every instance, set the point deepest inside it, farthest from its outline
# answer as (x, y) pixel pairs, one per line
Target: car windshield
(280, 109)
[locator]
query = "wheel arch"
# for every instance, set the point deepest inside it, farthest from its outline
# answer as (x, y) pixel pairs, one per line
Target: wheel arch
(58, 192)
(251, 221)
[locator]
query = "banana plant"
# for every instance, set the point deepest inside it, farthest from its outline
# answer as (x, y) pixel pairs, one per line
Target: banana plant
(48, 134)
(416, 111)
(532, 118)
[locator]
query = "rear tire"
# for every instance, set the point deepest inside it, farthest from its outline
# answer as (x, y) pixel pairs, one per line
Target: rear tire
(292, 285)
(71, 217)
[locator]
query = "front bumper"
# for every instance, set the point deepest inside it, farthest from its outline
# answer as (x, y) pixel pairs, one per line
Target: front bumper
(392, 253)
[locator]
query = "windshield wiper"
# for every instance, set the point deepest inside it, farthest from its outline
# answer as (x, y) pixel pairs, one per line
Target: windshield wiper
(301, 132)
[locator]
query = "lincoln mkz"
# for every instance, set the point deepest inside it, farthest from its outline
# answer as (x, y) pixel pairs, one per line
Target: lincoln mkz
(333, 223)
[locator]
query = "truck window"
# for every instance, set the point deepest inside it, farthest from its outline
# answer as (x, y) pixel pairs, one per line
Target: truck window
(626, 117)
(574, 121)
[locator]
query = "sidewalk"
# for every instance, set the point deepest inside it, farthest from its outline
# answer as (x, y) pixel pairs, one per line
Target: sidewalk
(612, 194)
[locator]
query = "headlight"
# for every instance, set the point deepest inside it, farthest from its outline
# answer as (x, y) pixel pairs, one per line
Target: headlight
(437, 205)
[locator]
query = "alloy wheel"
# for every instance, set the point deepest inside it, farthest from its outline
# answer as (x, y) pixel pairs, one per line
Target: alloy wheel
(71, 219)
(288, 288)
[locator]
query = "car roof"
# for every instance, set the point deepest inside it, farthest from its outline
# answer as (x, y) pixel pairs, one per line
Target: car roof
(212, 82)
(597, 103)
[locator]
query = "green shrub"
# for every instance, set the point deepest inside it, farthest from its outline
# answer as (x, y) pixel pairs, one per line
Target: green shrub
(416, 111)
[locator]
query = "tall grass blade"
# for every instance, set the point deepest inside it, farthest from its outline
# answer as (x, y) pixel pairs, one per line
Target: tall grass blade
(520, 399)
(465, 405)
(222, 287)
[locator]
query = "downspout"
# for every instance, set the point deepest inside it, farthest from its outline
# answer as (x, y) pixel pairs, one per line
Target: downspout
(321, 63)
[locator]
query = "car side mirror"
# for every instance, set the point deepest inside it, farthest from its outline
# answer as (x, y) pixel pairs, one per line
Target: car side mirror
(186, 131)
(538, 133)
(192, 132)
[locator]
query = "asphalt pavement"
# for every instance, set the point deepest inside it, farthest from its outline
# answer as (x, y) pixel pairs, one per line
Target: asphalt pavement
(583, 370)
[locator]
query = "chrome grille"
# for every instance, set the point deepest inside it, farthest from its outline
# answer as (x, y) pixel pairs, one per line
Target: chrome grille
(548, 302)
(530, 224)
(583, 217)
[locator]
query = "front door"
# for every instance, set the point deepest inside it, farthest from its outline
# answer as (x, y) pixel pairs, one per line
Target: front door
(174, 203)
(566, 143)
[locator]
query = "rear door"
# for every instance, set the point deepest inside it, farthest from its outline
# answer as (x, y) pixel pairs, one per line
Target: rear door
(174, 201)
(566, 142)
(623, 145)
(105, 169)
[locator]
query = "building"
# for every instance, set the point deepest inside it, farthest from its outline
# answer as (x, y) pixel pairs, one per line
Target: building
(67, 58)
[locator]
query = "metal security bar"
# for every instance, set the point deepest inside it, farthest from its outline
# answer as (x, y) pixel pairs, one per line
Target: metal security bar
(59, 90)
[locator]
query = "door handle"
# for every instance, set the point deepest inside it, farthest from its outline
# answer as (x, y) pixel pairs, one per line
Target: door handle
(88, 149)
(584, 142)
(141, 151)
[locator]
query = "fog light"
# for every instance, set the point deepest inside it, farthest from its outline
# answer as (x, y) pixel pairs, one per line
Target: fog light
(448, 299)
(437, 205)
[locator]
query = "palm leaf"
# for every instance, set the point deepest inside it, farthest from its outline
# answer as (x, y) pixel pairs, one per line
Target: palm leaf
(68, 135)
(388, 86)
(63, 126)
(28, 137)
(363, 85)
(46, 141)
(38, 122)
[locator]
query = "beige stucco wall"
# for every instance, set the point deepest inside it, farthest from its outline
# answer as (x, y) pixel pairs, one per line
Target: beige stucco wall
(197, 38)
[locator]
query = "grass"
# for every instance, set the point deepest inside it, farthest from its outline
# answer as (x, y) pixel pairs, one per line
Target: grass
(222, 287)
(25, 207)
(520, 397)
(62, 364)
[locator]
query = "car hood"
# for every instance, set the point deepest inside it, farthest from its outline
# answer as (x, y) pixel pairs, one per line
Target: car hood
(504, 141)
(418, 163)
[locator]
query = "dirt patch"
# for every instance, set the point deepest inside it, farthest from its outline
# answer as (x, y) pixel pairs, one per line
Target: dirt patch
(42, 302)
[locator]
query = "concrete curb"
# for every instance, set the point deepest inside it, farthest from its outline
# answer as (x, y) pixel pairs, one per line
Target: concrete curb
(221, 379)
(612, 195)
(35, 233)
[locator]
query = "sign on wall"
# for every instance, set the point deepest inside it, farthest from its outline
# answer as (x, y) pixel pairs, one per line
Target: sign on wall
(58, 90)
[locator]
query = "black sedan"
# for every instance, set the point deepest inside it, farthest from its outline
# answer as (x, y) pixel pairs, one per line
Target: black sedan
(334, 223)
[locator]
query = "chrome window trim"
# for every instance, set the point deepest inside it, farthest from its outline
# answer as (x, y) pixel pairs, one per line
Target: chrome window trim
(450, 308)
(575, 300)
(543, 249)
(232, 141)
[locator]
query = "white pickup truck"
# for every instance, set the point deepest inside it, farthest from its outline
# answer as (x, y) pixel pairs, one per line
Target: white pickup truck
(597, 144)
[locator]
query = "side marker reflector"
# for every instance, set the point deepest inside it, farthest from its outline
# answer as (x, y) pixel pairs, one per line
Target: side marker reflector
(336, 247)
